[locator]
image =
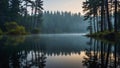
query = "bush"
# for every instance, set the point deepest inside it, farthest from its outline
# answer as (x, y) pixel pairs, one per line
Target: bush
(35, 31)
(11, 25)
(14, 29)
(20, 30)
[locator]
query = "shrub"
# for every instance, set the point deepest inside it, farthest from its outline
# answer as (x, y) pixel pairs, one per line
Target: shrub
(11, 25)
(14, 29)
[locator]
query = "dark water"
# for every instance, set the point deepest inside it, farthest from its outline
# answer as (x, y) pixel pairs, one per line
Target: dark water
(57, 51)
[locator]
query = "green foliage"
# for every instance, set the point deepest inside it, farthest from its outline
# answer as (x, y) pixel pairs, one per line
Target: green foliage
(35, 31)
(11, 25)
(16, 10)
(14, 29)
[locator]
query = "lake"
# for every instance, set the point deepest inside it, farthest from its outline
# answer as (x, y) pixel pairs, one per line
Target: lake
(57, 51)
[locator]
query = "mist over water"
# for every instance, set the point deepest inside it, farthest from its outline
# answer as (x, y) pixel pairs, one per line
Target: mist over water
(54, 51)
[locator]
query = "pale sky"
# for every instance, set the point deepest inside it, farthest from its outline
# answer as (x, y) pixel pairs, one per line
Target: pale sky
(74, 6)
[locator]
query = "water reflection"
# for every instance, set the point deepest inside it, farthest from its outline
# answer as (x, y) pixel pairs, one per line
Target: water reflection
(102, 55)
(57, 52)
(14, 53)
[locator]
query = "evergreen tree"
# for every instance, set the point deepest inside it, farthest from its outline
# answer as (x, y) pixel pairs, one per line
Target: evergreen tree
(4, 13)
(14, 10)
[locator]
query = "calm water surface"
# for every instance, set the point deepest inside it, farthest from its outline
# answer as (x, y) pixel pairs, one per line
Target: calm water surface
(57, 51)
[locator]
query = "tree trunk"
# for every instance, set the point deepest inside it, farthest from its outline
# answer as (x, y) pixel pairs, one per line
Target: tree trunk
(35, 16)
(108, 16)
(97, 19)
(32, 17)
(108, 54)
(115, 21)
(91, 29)
(94, 24)
(102, 10)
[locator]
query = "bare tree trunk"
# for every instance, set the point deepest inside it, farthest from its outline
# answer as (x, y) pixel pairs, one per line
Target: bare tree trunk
(104, 19)
(108, 16)
(35, 16)
(97, 20)
(32, 17)
(94, 24)
(115, 21)
(102, 10)
(91, 29)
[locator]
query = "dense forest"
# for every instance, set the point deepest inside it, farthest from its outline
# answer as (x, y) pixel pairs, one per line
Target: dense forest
(63, 22)
(20, 16)
(27, 16)
(103, 15)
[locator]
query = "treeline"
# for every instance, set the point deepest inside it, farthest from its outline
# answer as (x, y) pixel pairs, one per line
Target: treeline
(103, 15)
(26, 13)
(62, 22)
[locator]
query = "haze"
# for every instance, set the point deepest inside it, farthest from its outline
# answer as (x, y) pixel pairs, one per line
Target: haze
(73, 6)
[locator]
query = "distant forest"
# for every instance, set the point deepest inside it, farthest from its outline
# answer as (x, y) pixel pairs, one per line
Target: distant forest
(63, 22)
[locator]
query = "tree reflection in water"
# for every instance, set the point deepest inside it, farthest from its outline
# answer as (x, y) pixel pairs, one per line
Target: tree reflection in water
(13, 54)
(32, 52)
(102, 55)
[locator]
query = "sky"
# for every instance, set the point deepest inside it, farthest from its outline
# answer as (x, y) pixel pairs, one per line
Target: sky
(74, 6)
